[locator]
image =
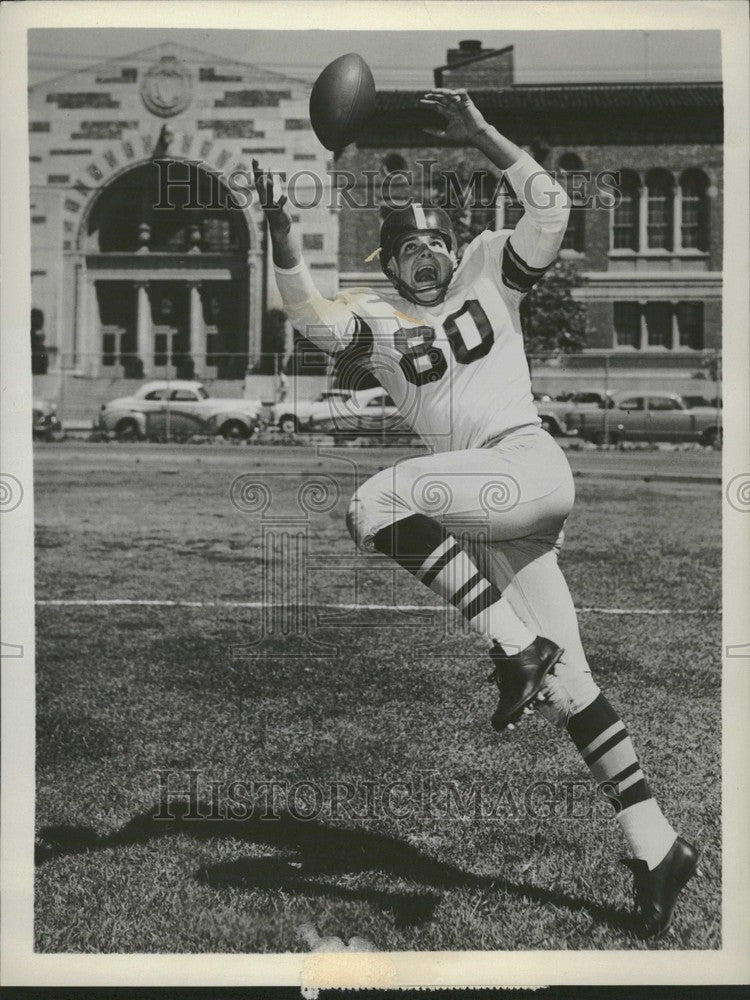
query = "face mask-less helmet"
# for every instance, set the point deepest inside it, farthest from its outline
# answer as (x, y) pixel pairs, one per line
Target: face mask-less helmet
(403, 223)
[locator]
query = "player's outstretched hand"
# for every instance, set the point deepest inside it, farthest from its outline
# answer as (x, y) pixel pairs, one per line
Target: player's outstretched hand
(274, 208)
(463, 120)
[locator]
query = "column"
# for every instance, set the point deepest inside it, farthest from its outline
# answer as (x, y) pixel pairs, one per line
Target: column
(80, 320)
(677, 218)
(675, 324)
(144, 339)
(197, 331)
(92, 341)
(643, 218)
(255, 303)
(644, 325)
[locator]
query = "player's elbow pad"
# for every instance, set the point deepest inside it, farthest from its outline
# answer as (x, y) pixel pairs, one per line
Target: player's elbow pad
(328, 323)
(552, 204)
(543, 199)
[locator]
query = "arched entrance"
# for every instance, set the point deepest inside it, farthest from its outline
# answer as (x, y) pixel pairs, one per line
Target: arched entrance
(168, 290)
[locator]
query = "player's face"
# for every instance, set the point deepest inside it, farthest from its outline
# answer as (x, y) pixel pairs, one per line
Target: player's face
(425, 263)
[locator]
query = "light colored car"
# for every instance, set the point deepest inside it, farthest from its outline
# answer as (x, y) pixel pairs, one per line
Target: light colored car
(178, 409)
(560, 416)
(343, 414)
(303, 414)
(651, 417)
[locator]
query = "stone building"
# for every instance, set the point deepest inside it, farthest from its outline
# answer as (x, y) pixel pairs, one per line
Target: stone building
(126, 286)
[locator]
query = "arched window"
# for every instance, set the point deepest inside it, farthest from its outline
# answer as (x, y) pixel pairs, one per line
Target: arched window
(394, 163)
(660, 219)
(625, 213)
(694, 227)
(575, 235)
(123, 218)
(569, 162)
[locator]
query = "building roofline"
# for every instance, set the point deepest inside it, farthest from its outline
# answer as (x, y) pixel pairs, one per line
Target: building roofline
(618, 96)
(593, 85)
(164, 47)
(477, 57)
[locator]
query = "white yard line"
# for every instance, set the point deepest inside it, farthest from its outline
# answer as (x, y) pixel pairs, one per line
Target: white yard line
(259, 605)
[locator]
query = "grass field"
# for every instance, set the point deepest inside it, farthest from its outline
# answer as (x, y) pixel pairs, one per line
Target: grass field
(128, 691)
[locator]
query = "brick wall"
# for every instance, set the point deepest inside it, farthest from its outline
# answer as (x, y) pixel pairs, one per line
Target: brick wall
(359, 228)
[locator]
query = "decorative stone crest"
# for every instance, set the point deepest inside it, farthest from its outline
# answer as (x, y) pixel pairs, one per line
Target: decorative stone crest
(166, 89)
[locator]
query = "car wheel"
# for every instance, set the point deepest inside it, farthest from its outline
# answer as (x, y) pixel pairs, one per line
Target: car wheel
(128, 430)
(712, 437)
(288, 424)
(550, 426)
(234, 430)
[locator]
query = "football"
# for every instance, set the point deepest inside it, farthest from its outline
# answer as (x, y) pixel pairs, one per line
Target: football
(342, 99)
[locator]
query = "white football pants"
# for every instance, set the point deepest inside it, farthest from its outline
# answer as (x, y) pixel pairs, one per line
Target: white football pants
(508, 504)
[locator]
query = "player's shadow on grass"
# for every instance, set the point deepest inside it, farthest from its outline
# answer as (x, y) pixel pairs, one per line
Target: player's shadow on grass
(312, 853)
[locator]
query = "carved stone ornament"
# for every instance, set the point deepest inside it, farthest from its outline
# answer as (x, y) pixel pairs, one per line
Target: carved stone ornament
(166, 89)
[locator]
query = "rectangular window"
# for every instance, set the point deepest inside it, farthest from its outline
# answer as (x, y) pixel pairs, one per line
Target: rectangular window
(312, 241)
(659, 221)
(574, 234)
(217, 236)
(627, 324)
(213, 344)
(109, 349)
(692, 232)
(160, 349)
(659, 324)
(625, 223)
(690, 323)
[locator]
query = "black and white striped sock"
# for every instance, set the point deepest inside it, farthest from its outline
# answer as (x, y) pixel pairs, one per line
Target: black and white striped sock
(436, 557)
(603, 742)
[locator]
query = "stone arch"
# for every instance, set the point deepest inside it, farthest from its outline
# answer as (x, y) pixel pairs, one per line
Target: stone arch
(109, 168)
(137, 251)
(124, 215)
(136, 151)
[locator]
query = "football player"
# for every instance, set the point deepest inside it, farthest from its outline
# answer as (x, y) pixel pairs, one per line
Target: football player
(447, 346)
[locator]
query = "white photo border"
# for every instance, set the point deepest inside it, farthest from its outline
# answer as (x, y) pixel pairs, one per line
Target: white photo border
(20, 965)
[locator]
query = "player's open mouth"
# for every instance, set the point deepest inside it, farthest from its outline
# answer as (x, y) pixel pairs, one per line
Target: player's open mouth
(426, 272)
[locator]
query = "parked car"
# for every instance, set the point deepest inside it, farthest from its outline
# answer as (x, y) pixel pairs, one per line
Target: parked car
(343, 413)
(702, 401)
(303, 414)
(45, 424)
(558, 416)
(183, 408)
(651, 417)
(369, 411)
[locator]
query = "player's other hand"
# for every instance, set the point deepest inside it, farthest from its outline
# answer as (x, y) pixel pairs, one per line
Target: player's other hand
(273, 207)
(463, 121)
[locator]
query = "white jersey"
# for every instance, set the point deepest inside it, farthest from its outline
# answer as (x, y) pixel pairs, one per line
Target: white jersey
(456, 371)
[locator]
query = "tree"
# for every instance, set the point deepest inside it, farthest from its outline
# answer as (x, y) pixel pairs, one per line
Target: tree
(710, 367)
(553, 321)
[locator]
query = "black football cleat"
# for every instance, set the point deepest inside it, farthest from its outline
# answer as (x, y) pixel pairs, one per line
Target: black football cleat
(655, 892)
(520, 678)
